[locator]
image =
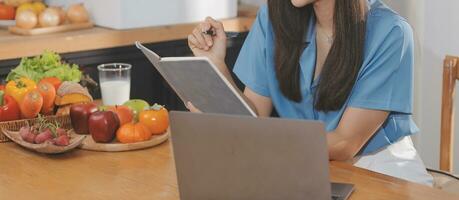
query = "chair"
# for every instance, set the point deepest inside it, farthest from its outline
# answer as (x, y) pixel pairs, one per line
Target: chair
(442, 178)
(450, 75)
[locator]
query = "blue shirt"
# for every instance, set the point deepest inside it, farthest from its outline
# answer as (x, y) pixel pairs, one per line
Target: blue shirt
(384, 82)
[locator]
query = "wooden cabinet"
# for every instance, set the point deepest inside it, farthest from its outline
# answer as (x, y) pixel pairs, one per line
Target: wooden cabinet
(146, 82)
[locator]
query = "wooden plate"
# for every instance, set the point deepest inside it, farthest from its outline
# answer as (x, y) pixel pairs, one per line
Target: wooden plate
(47, 30)
(47, 147)
(90, 144)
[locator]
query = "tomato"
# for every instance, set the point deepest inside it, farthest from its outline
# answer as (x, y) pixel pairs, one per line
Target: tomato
(131, 133)
(18, 88)
(9, 109)
(31, 105)
(124, 113)
(56, 82)
(7, 12)
(2, 87)
(156, 119)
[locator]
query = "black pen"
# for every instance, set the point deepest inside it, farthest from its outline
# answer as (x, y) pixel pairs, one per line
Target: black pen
(229, 35)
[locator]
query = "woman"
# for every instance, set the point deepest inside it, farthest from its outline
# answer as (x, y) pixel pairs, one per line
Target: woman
(348, 63)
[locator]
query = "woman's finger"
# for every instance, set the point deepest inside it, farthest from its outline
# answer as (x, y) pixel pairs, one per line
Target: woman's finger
(205, 27)
(200, 38)
(217, 25)
(191, 107)
(192, 42)
(208, 39)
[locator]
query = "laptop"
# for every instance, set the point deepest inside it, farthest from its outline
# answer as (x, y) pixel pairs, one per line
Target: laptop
(220, 156)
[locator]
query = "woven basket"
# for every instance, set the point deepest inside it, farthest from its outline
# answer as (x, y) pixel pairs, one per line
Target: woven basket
(64, 121)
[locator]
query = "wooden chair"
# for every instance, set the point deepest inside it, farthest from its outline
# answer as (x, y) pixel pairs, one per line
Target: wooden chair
(450, 75)
(442, 178)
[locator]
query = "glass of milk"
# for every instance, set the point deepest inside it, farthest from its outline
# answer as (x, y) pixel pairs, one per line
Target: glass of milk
(115, 82)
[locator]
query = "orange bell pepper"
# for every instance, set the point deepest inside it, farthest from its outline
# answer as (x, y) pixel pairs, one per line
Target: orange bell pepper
(18, 88)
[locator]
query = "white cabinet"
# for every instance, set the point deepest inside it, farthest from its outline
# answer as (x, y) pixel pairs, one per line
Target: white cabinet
(126, 14)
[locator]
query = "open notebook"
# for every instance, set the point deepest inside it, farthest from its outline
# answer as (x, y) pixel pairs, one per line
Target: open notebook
(197, 80)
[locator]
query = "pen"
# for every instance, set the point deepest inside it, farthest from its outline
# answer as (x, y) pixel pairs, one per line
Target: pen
(229, 35)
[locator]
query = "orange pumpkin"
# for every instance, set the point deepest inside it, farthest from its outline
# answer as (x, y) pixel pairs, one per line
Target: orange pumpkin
(131, 133)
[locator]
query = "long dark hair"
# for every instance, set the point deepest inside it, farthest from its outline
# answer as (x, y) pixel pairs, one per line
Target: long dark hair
(344, 60)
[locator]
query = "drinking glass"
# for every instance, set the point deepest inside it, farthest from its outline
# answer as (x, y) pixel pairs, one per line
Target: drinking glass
(115, 82)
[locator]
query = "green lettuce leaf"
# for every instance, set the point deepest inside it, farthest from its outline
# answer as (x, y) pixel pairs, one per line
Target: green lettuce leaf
(48, 64)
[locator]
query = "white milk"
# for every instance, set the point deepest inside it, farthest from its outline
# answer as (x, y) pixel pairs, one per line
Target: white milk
(115, 92)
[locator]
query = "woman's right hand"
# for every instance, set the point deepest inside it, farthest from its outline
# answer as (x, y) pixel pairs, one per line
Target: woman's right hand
(212, 47)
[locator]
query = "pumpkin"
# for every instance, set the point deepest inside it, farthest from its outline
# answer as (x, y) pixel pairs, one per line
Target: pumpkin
(72, 93)
(133, 132)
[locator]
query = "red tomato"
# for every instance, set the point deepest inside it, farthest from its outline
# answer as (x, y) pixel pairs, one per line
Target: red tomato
(56, 82)
(7, 12)
(124, 113)
(156, 119)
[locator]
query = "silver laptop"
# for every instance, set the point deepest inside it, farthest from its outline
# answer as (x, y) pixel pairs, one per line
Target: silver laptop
(239, 157)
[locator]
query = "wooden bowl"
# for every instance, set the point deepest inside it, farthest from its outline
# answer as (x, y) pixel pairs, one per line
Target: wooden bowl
(46, 147)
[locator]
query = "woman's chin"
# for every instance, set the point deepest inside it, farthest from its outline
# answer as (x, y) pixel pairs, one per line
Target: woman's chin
(301, 3)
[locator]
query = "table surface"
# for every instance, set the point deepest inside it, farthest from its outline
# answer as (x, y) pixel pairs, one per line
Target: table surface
(150, 174)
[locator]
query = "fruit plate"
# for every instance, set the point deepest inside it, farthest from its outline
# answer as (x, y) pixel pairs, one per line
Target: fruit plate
(47, 147)
(90, 144)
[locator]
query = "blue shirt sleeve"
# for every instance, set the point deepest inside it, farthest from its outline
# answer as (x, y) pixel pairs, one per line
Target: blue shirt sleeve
(385, 81)
(250, 65)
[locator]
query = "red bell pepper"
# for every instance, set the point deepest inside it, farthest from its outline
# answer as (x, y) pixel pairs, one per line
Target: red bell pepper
(2, 87)
(9, 109)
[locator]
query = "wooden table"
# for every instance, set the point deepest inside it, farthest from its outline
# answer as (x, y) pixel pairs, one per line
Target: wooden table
(150, 174)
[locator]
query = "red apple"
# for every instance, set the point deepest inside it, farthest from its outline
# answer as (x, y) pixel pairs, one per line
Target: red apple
(103, 125)
(79, 114)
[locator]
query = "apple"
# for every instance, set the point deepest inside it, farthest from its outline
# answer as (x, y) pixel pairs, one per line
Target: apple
(79, 115)
(124, 113)
(103, 125)
(137, 106)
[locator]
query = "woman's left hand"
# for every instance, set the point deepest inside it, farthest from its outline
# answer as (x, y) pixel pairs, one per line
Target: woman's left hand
(191, 108)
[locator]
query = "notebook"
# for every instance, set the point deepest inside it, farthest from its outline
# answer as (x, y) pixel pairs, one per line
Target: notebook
(198, 80)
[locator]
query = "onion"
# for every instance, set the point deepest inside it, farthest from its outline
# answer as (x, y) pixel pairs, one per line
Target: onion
(62, 15)
(77, 14)
(26, 19)
(49, 17)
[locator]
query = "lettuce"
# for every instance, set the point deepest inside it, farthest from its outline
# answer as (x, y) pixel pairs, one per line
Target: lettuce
(48, 64)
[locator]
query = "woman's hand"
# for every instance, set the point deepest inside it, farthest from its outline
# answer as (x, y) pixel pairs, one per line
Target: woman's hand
(191, 108)
(212, 47)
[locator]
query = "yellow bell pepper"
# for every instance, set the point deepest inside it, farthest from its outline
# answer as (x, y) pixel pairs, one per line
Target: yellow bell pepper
(18, 88)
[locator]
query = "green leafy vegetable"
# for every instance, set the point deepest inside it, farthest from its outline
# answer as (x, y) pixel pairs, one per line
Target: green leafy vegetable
(48, 64)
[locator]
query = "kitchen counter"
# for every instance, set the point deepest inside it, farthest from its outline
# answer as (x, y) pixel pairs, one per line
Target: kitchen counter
(14, 46)
(150, 174)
